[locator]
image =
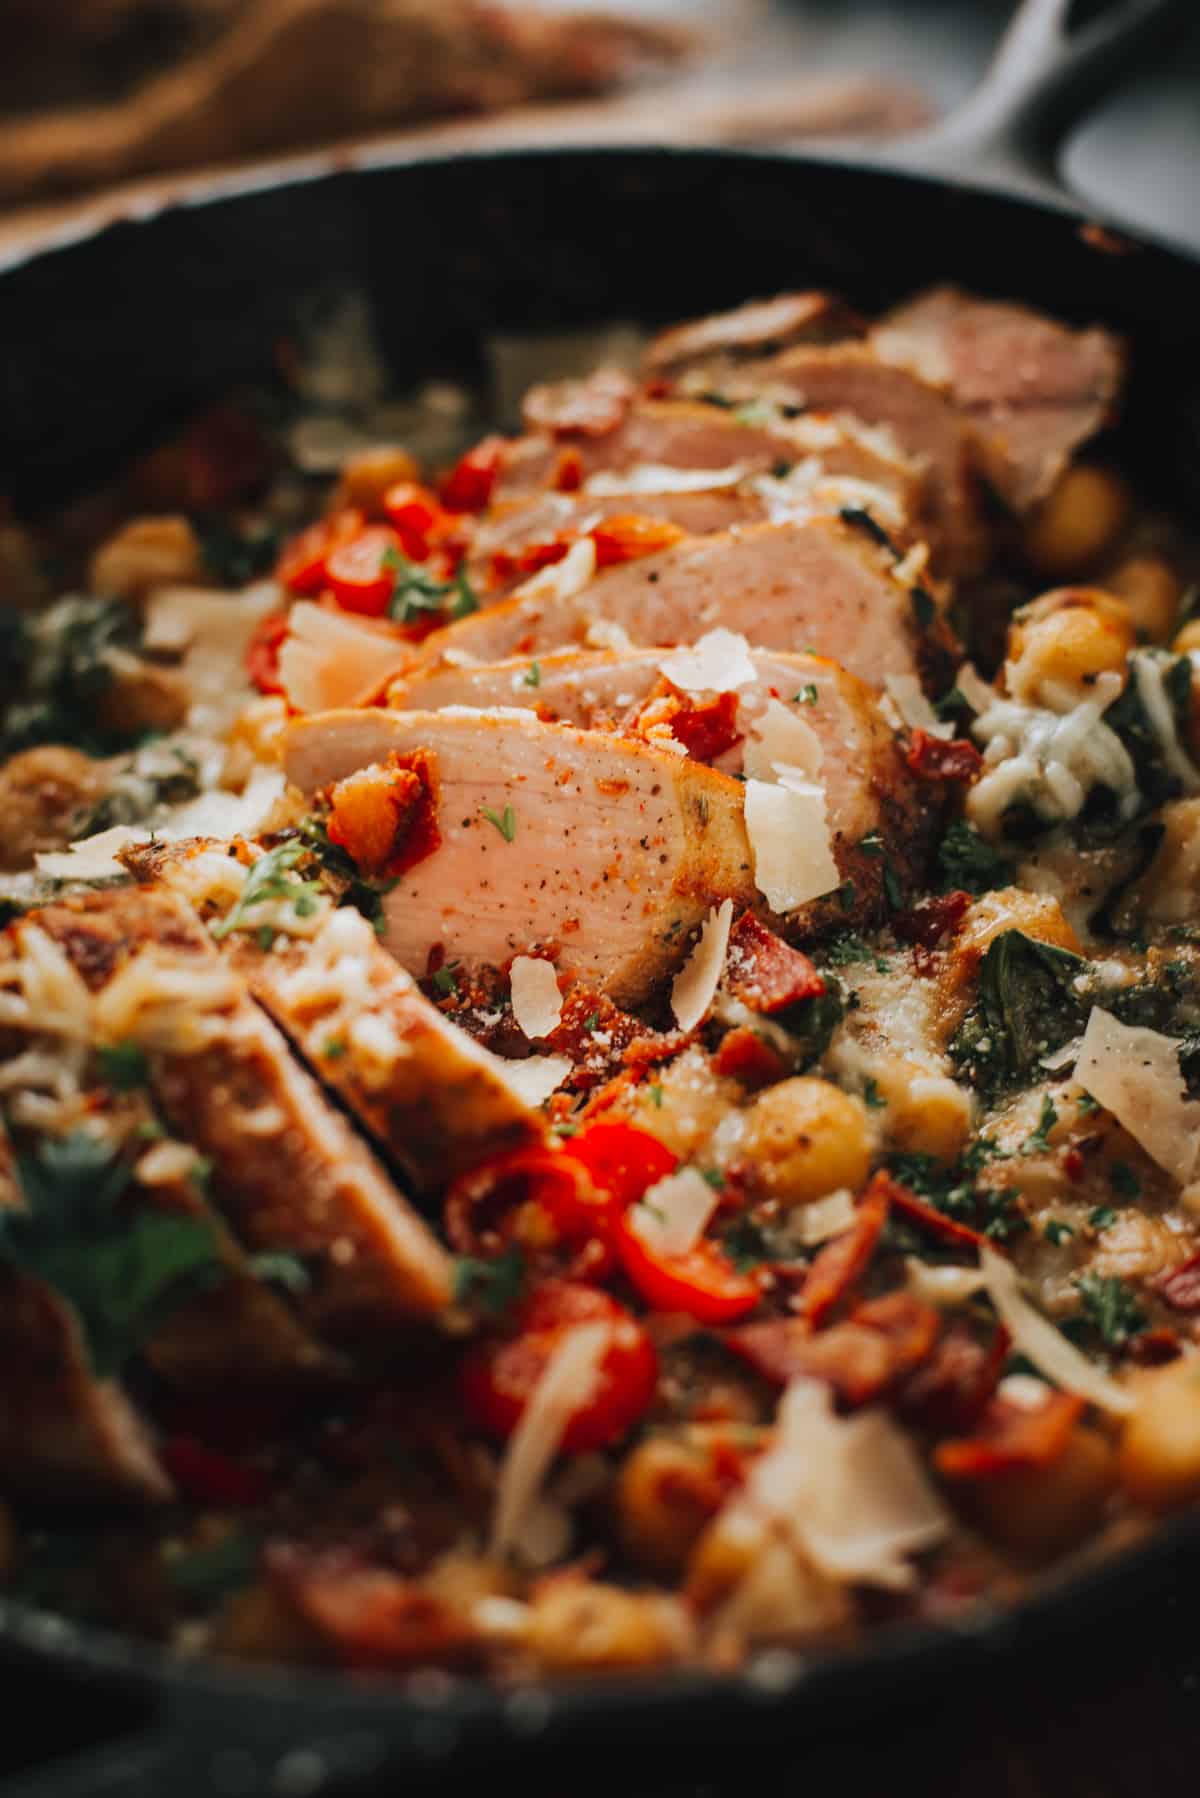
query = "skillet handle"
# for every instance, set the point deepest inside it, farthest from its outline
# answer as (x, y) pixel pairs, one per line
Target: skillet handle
(1043, 79)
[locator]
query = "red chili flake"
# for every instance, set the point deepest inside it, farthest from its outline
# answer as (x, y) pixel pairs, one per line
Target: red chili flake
(1011, 1437)
(928, 1217)
(933, 758)
(926, 924)
(744, 1056)
(764, 972)
(843, 1261)
(594, 406)
(707, 731)
(1179, 1286)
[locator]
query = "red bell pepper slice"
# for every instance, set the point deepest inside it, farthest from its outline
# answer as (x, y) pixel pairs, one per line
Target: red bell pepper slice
(704, 1282)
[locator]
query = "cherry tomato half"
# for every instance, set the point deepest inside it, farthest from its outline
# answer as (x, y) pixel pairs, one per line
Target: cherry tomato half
(418, 517)
(301, 566)
(622, 1160)
(498, 1377)
(362, 573)
(540, 1200)
(704, 1283)
(468, 487)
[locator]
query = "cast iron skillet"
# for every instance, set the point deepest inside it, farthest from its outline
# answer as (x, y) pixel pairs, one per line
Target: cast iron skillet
(106, 340)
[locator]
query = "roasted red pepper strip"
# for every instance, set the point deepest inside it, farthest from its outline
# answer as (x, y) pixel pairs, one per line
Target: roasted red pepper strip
(843, 1260)
(704, 1282)
(1011, 1437)
(497, 1378)
(262, 652)
(469, 485)
(933, 758)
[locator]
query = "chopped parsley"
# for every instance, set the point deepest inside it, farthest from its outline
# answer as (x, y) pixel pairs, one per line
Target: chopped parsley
(279, 1268)
(892, 887)
(490, 1286)
(505, 821)
(807, 694)
(532, 676)
(1102, 1218)
(993, 1210)
(333, 1048)
(656, 1096)
(872, 1095)
(208, 1574)
(844, 950)
(123, 1065)
(416, 592)
(354, 889)
(123, 1269)
(1038, 1140)
(271, 877)
(871, 844)
(1057, 1232)
(445, 980)
(968, 863)
(1109, 1309)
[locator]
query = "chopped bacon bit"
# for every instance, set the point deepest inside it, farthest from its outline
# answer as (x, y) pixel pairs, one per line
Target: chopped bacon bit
(593, 1033)
(860, 1358)
(1154, 1348)
(928, 1217)
(567, 475)
(630, 536)
(605, 1097)
(707, 731)
(1011, 1437)
(842, 1261)
(926, 924)
(469, 485)
(372, 1616)
(385, 816)
(764, 972)
(744, 1056)
(592, 406)
(933, 758)
(1180, 1286)
(952, 1389)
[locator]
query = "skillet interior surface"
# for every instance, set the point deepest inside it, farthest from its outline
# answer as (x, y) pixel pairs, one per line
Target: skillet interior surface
(106, 341)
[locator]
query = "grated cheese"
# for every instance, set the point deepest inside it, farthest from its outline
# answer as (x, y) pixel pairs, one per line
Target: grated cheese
(1048, 759)
(1148, 667)
(536, 1001)
(673, 1214)
(565, 1386)
(718, 662)
(1035, 1337)
(817, 1222)
(1134, 1073)
(694, 987)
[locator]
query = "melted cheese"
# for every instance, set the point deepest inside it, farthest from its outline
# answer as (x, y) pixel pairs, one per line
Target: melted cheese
(1049, 760)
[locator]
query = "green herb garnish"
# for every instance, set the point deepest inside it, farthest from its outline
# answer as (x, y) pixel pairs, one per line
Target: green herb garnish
(1038, 1141)
(270, 877)
(123, 1065)
(491, 1286)
(505, 821)
(969, 863)
(1109, 1308)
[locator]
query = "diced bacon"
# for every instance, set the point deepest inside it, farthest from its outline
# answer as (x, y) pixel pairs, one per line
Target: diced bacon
(926, 924)
(860, 1358)
(744, 1056)
(385, 816)
(843, 1260)
(1012, 1436)
(764, 972)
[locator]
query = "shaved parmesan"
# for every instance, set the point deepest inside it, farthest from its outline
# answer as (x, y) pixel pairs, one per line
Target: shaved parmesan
(534, 1079)
(823, 1218)
(673, 1214)
(330, 659)
(719, 662)
(907, 695)
(941, 1285)
(790, 842)
(91, 858)
(565, 1386)
(1035, 1337)
(218, 814)
(782, 746)
(536, 1000)
(694, 987)
(850, 1491)
(561, 580)
(605, 633)
(1134, 1073)
(654, 477)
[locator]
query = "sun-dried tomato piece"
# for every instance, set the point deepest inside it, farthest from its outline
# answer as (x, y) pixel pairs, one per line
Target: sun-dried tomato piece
(1154, 1348)
(928, 1217)
(935, 758)
(842, 1261)
(592, 406)
(707, 729)
(744, 1056)
(937, 917)
(385, 816)
(1010, 1437)
(766, 973)
(1180, 1286)
(567, 473)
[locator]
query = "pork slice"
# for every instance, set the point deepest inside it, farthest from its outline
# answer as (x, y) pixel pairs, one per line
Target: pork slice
(1032, 388)
(690, 435)
(609, 849)
(820, 584)
(759, 328)
(288, 1172)
(851, 379)
(869, 790)
(437, 1102)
